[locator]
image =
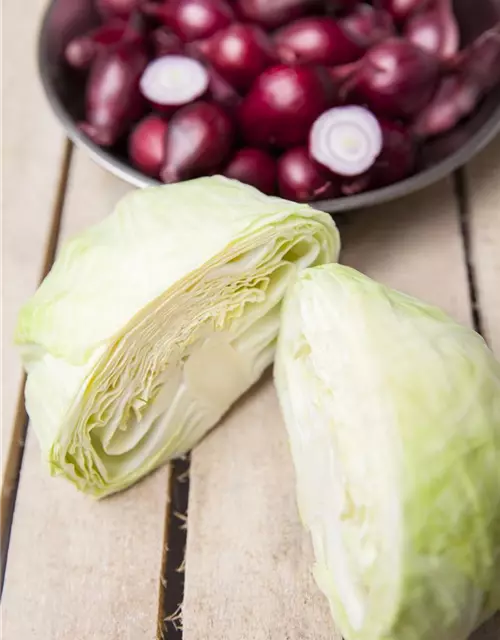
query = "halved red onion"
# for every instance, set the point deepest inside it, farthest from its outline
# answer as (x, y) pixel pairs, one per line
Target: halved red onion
(174, 80)
(346, 140)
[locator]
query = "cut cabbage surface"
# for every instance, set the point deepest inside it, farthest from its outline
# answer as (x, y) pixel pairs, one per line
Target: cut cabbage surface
(152, 323)
(393, 415)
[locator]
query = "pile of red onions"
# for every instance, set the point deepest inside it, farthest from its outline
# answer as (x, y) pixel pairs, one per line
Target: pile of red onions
(308, 99)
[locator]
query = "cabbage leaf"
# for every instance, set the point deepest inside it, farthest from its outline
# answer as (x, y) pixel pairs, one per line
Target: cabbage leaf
(393, 415)
(153, 322)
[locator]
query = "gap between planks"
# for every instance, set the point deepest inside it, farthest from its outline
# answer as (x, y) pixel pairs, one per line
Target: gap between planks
(461, 189)
(73, 546)
(14, 459)
(172, 574)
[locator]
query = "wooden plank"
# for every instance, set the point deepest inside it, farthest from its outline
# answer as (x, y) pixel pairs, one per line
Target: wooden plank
(79, 568)
(33, 147)
(483, 211)
(247, 559)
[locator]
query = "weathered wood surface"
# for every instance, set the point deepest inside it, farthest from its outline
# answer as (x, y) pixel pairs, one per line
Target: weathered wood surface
(78, 568)
(33, 148)
(483, 204)
(247, 559)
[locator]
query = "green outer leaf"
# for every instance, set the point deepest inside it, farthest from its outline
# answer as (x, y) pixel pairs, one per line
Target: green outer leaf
(169, 304)
(401, 390)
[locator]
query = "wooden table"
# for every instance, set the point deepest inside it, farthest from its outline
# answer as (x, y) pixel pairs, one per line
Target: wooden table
(116, 570)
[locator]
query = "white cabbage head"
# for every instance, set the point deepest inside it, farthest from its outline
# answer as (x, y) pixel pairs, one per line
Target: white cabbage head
(152, 323)
(393, 414)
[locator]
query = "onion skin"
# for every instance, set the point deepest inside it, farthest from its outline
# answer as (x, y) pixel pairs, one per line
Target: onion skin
(254, 167)
(82, 50)
(367, 26)
(394, 78)
(301, 179)
(320, 41)
(113, 98)
(475, 71)
(435, 30)
(401, 10)
(198, 140)
(282, 105)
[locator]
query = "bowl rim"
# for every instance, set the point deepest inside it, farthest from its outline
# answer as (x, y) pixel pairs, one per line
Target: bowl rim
(480, 139)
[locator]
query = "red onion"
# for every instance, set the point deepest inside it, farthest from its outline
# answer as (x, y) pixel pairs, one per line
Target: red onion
(165, 42)
(271, 14)
(346, 140)
(367, 26)
(222, 92)
(82, 51)
(301, 179)
(239, 53)
(254, 167)
(198, 140)
(435, 29)
(395, 162)
(282, 105)
(316, 41)
(455, 98)
(477, 71)
(401, 10)
(118, 8)
(395, 78)
(172, 81)
(146, 145)
(192, 19)
(113, 99)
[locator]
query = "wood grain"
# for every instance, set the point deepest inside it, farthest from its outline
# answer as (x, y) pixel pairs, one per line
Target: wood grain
(483, 191)
(79, 568)
(247, 558)
(483, 217)
(33, 146)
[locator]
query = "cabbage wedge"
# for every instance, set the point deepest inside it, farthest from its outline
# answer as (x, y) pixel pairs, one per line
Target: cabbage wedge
(393, 415)
(152, 323)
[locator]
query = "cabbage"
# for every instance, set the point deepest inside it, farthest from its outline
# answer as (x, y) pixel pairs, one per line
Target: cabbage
(393, 415)
(152, 323)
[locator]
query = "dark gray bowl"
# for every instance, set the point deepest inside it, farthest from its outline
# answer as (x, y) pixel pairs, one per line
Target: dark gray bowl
(64, 88)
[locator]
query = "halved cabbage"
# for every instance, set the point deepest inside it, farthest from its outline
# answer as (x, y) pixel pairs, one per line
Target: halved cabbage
(152, 323)
(393, 414)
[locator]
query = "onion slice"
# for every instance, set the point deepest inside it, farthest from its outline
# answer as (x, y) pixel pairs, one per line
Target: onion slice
(173, 81)
(346, 140)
